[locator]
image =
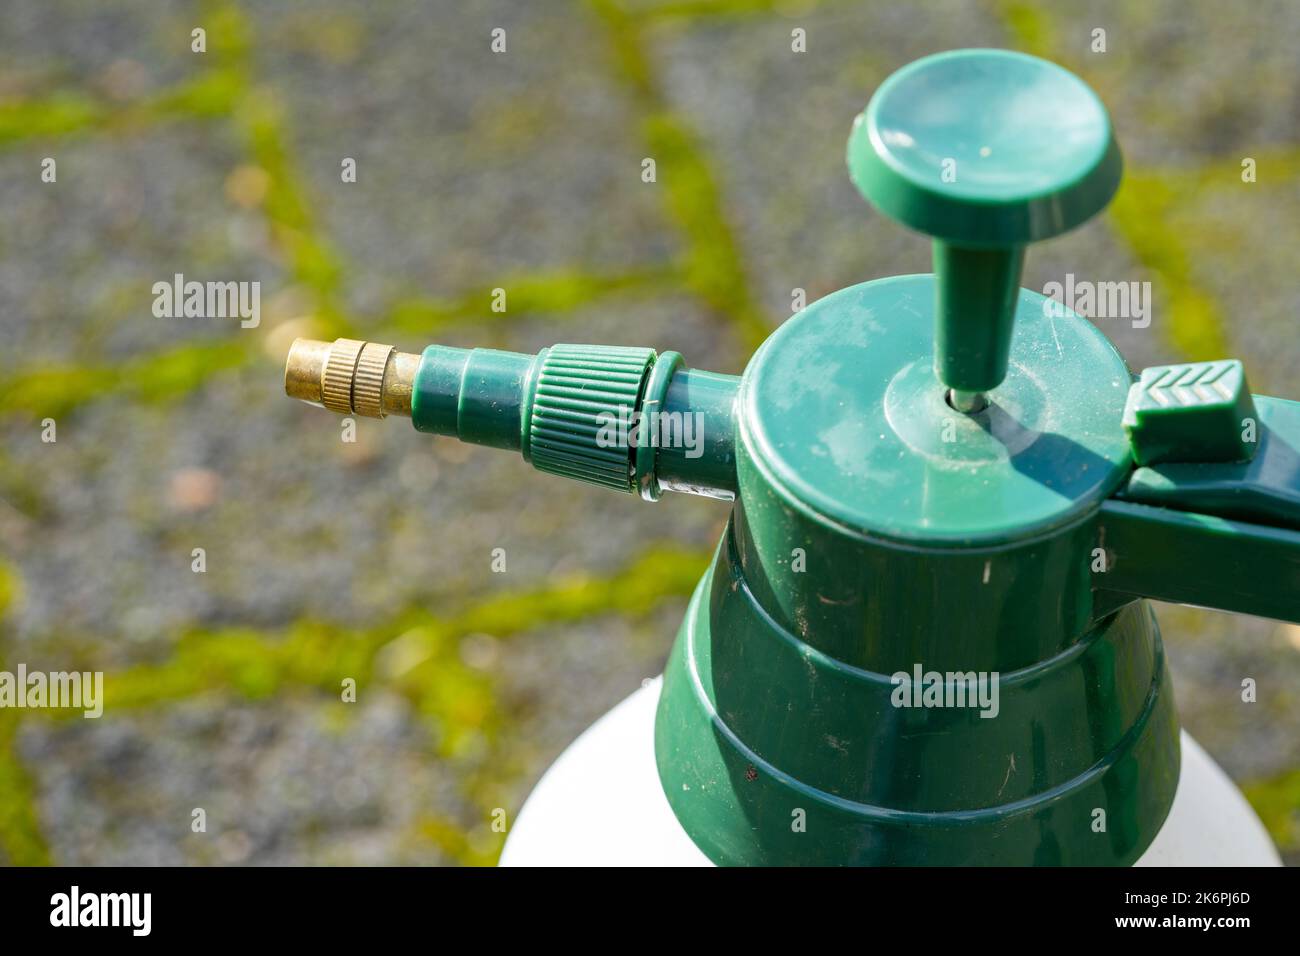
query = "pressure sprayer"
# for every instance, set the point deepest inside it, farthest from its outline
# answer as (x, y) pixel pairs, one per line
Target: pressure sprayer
(923, 638)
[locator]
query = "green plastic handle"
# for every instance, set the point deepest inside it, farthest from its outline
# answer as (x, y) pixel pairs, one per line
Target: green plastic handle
(986, 151)
(1262, 486)
(1203, 443)
(1221, 534)
(1206, 560)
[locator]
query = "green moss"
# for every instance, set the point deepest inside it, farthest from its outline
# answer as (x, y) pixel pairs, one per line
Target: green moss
(57, 115)
(1030, 27)
(713, 265)
(22, 489)
(257, 663)
(458, 703)
(179, 371)
(550, 293)
(1277, 801)
(712, 9)
(455, 843)
(21, 840)
(659, 573)
(55, 390)
(229, 32)
(1142, 213)
(11, 588)
(313, 263)
(210, 94)
(260, 121)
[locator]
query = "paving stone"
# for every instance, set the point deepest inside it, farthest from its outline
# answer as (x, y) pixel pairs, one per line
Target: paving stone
(302, 781)
(555, 687)
(1209, 655)
(472, 166)
(1243, 241)
(81, 255)
(295, 782)
(775, 122)
(121, 51)
(1186, 81)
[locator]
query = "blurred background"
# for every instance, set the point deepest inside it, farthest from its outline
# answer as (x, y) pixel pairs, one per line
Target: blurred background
(478, 170)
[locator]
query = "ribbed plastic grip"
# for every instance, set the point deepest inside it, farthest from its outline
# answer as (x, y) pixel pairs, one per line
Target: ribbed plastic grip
(582, 407)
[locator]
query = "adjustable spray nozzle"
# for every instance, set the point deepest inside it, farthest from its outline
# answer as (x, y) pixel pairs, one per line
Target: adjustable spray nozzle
(351, 377)
(624, 418)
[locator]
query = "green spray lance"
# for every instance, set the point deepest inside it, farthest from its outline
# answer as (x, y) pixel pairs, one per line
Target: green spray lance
(924, 637)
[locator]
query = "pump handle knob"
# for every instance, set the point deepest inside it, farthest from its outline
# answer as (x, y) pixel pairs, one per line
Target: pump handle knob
(986, 151)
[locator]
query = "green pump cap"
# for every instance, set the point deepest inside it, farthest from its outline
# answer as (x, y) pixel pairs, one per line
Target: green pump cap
(986, 151)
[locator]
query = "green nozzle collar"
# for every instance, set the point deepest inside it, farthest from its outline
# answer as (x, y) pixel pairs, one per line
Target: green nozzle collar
(571, 410)
(584, 406)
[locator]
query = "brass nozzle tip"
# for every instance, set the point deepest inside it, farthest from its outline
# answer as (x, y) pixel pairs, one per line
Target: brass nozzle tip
(303, 370)
(351, 377)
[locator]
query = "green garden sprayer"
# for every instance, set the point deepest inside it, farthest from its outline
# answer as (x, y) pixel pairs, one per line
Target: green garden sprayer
(924, 637)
